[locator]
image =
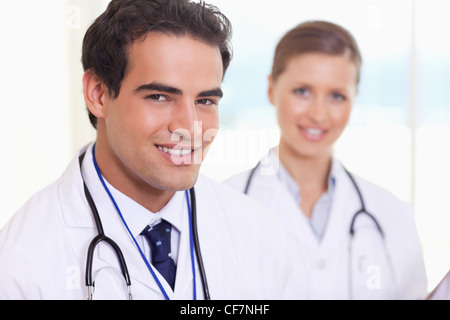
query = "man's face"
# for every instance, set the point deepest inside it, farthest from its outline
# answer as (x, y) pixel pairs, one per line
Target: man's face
(156, 132)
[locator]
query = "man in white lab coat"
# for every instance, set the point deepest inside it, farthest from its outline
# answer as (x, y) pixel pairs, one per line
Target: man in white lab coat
(152, 85)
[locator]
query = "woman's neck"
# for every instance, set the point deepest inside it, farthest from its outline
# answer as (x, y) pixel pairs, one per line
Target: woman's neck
(309, 172)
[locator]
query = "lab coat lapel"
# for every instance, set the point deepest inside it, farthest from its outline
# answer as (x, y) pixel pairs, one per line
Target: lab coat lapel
(75, 209)
(184, 276)
(218, 256)
(298, 221)
(268, 189)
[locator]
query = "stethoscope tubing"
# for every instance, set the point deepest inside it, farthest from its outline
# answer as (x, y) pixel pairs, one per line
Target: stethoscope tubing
(197, 245)
(89, 282)
(101, 237)
(363, 207)
(362, 210)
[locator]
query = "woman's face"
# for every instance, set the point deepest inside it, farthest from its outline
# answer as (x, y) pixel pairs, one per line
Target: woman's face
(313, 98)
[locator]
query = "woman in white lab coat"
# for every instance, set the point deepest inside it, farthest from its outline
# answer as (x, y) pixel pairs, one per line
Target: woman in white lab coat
(313, 85)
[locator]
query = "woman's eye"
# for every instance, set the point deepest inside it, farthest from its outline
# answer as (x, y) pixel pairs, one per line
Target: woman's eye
(337, 96)
(302, 91)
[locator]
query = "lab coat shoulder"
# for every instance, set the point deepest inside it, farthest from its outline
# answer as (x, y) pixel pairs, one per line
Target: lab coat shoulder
(32, 244)
(382, 202)
(265, 188)
(24, 237)
(228, 197)
(254, 241)
(239, 180)
(397, 221)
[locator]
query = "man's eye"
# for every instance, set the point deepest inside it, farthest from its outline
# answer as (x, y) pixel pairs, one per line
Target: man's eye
(206, 101)
(156, 97)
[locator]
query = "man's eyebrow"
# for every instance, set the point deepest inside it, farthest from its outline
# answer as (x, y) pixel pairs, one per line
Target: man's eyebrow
(212, 93)
(160, 87)
(156, 86)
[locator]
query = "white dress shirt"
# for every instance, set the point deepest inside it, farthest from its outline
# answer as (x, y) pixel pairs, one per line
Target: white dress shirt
(137, 218)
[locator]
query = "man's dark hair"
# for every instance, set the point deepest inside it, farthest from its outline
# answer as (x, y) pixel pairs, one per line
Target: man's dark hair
(106, 43)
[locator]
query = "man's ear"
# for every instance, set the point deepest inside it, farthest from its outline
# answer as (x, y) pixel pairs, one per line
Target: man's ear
(270, 88)
(94, 93)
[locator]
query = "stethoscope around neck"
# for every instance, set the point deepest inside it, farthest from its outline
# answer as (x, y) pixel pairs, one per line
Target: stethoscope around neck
(360, 212)
(101, 237)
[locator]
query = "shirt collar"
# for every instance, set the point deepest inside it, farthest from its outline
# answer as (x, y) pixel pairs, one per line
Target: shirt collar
(138, 217)
(294, 189)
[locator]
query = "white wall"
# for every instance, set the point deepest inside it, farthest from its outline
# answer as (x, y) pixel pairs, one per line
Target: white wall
(43, 119)
(33, 96)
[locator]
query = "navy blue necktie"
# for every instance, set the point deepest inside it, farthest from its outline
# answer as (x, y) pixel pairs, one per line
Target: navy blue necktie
(158, 238)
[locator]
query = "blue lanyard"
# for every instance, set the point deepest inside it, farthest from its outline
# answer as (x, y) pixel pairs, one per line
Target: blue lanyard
(147, 263)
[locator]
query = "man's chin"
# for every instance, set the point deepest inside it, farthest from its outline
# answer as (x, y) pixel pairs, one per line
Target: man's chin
(179, 182)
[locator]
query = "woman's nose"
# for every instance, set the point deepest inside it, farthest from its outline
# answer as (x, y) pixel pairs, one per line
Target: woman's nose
(317, 110)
